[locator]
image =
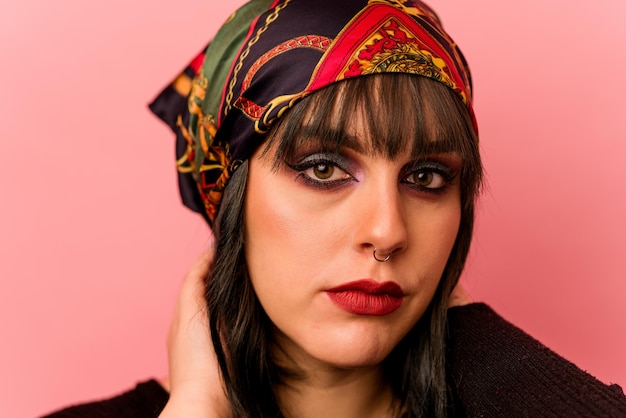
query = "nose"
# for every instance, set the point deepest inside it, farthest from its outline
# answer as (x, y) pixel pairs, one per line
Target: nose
(381, 221)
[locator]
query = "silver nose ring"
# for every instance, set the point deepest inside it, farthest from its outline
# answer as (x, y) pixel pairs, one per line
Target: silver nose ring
(381, 260)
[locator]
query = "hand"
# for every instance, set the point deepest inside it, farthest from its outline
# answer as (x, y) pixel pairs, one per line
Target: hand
(459, 296)
(194, 382)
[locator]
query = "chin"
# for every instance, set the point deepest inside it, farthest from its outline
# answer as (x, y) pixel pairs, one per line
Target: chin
(353, 351)
(359, 361)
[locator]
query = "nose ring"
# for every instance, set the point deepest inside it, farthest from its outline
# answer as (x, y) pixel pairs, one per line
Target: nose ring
(381, 260)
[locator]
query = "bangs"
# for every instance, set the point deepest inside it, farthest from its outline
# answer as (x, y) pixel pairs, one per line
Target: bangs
(381, 114)
(393, 111)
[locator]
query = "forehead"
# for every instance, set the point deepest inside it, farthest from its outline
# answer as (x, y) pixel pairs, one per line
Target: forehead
(377, 126)
(383, 115)
(358, 137)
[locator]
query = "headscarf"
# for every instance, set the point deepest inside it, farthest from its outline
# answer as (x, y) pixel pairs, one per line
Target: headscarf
(270, 54)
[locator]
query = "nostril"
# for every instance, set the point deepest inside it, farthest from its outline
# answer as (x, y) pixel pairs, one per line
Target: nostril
(381, 257)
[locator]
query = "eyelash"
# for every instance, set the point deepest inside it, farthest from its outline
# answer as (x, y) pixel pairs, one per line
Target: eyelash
(316, 160)
(336, 161)
(429, 166)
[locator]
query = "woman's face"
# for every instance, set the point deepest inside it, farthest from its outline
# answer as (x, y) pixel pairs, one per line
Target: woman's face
(311, 229)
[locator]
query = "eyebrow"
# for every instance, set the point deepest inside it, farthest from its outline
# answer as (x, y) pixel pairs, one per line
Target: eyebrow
(330, 136)
(435, 147)
(338, 137)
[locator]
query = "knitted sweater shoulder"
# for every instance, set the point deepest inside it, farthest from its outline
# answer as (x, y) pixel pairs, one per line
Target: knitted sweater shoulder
(146, 400)
(495, 370)
(498, 370)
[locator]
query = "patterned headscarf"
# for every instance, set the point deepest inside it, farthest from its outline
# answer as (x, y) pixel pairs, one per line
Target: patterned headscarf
(271, 53)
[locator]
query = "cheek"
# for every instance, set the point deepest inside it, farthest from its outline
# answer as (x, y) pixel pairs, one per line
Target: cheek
(433, 234)
(443, 229)
(288, 227)
(445, 232)
(279, 232)
(440, 217)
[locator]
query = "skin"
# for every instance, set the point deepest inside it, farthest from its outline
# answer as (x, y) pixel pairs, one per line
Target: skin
(194, 383)
(321, 207)
(311, 228)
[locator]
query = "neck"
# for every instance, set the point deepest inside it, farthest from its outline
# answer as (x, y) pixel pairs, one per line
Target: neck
(332, 392)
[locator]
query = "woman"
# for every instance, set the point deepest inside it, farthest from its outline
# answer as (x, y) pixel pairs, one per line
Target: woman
(333, 148)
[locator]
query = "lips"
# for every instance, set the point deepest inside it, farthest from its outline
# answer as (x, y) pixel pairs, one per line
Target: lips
(367, 297)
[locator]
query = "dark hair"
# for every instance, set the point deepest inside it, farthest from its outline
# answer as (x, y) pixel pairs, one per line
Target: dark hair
(397, 109)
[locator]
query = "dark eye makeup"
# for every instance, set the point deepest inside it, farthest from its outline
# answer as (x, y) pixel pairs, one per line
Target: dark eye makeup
(331, 170)
(323, 170)
(428, 175)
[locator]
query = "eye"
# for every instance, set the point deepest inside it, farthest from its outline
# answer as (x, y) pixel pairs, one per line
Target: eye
(428, 176)
(325, 170)
(427, 179)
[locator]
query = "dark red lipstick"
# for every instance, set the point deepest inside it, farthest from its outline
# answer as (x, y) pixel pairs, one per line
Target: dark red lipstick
(367, 297)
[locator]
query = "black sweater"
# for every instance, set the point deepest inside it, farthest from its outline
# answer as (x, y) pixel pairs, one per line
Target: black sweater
(495, 369)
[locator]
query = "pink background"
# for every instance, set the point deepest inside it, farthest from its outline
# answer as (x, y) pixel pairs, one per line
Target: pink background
(94, 241)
